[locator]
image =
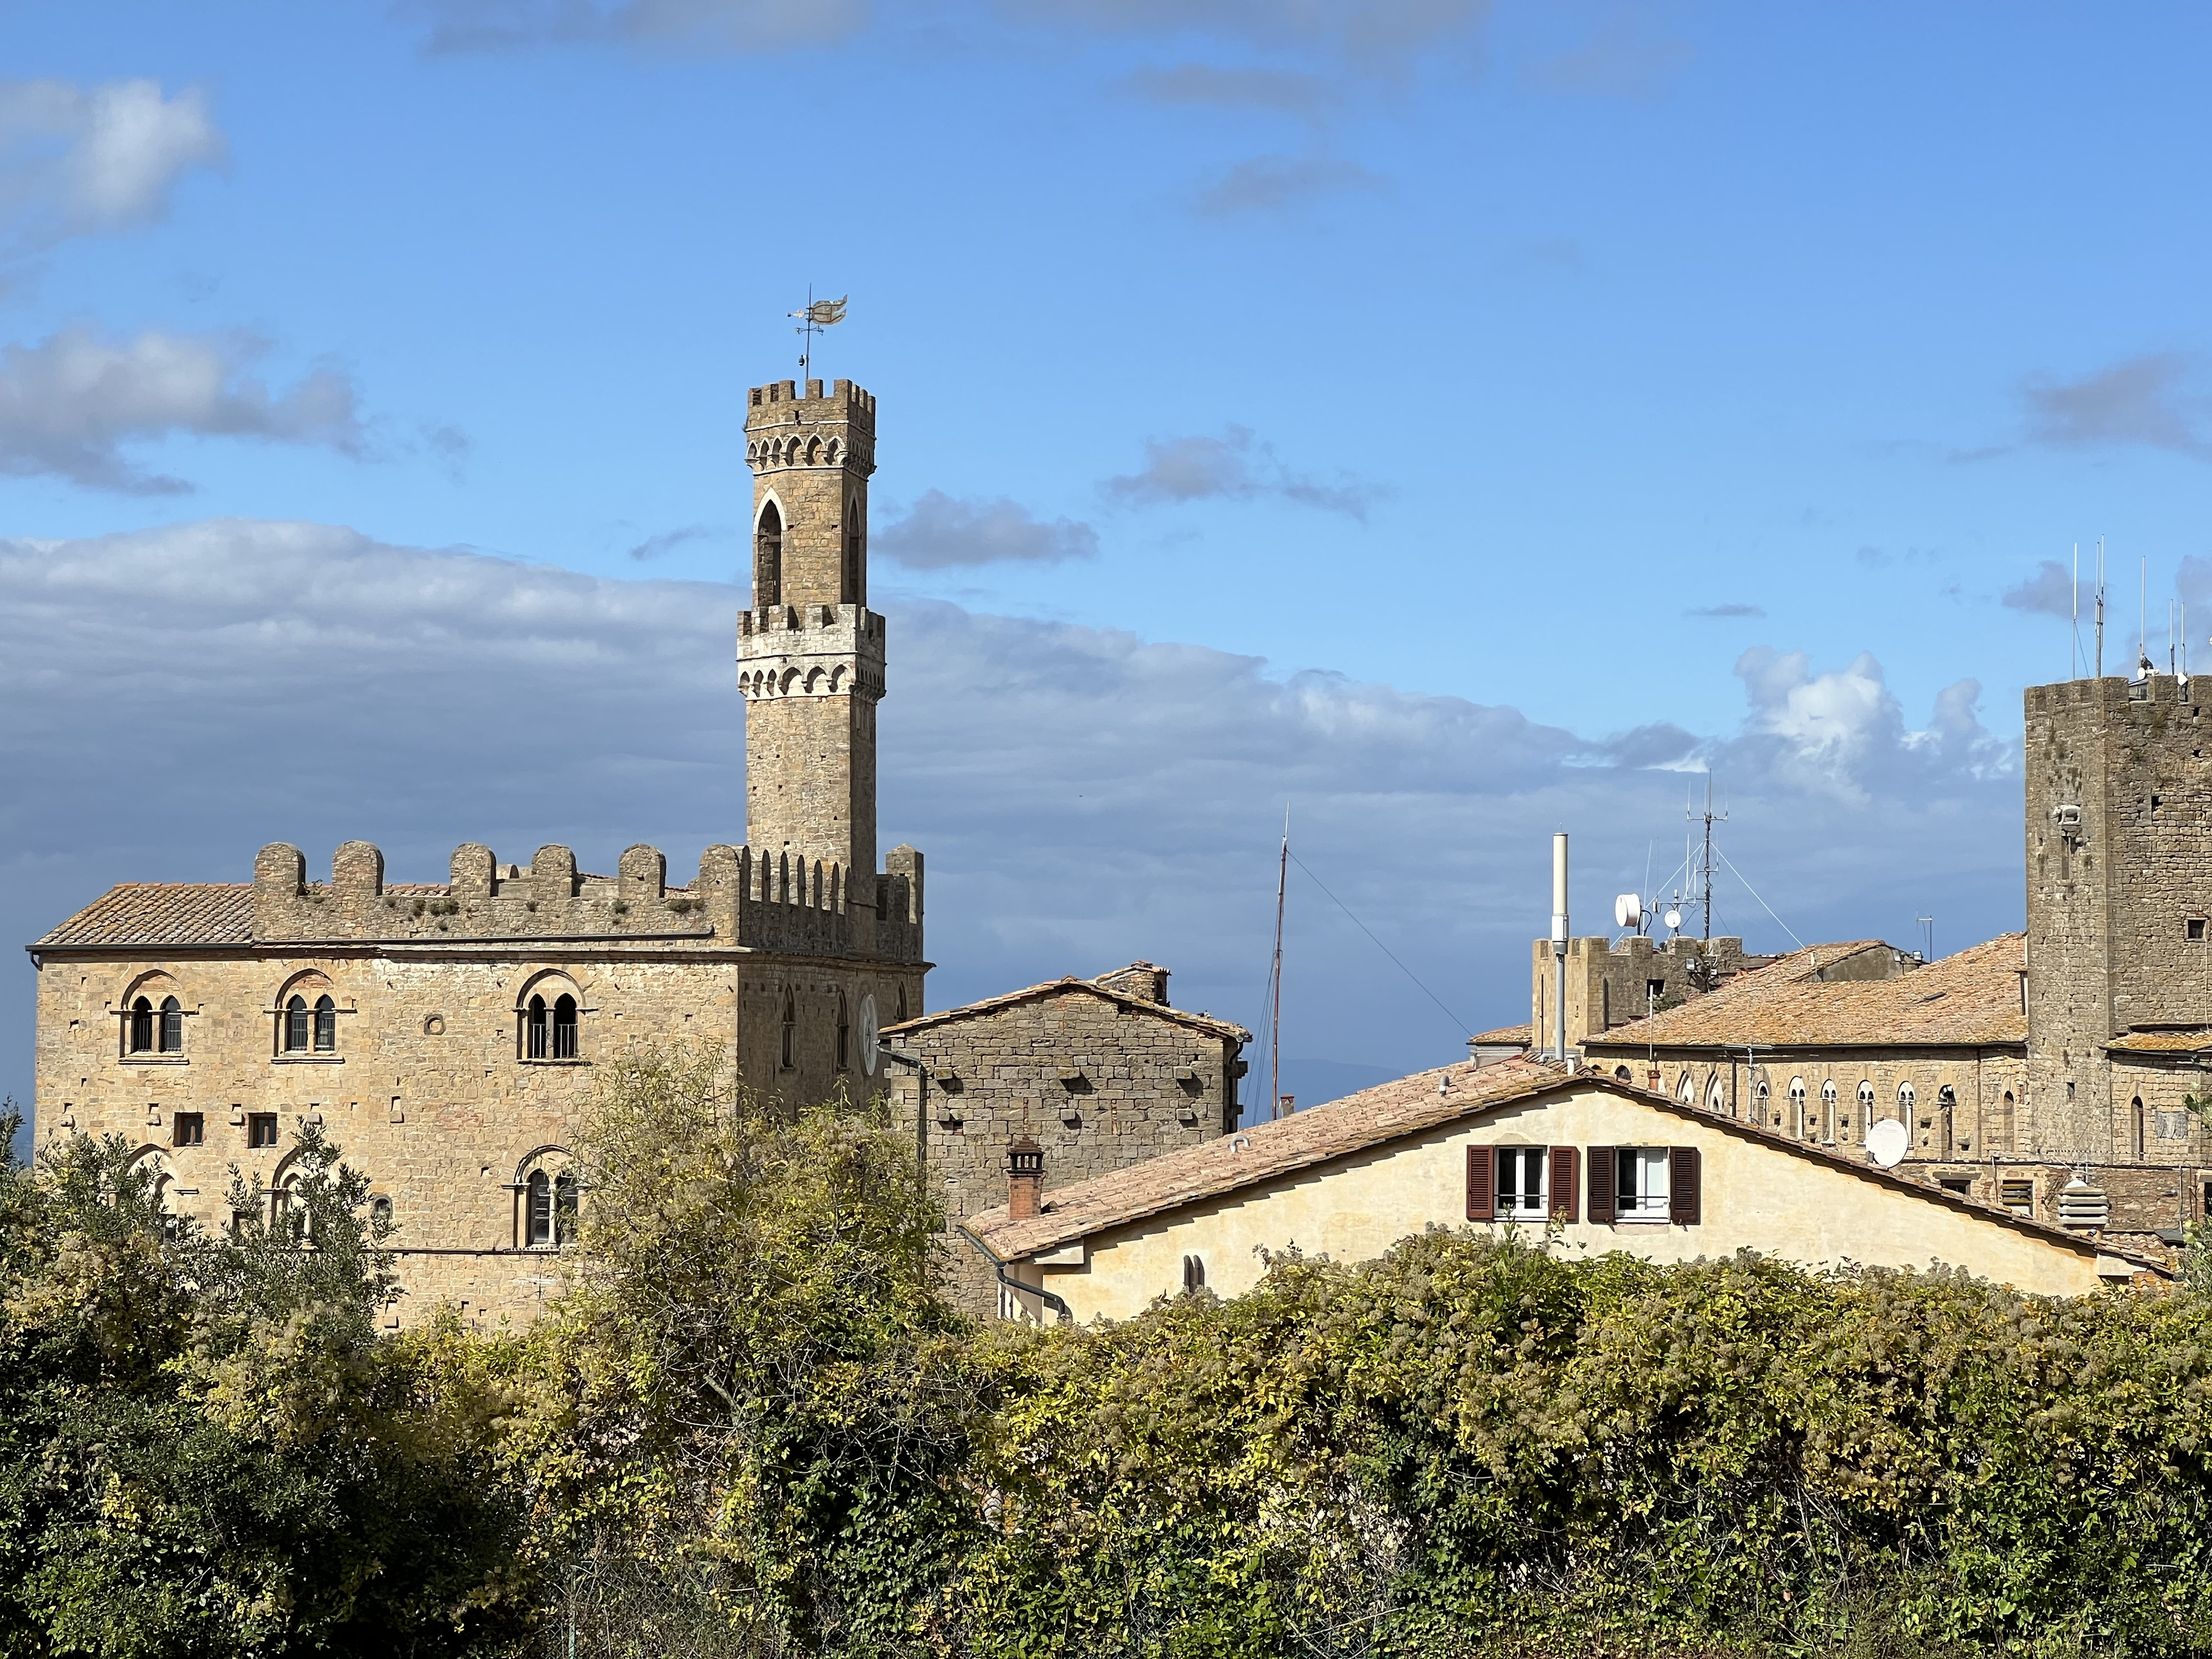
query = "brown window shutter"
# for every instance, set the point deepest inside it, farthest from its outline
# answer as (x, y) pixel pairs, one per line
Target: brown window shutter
(1684, 1201)
(1604, 1173)
(1567, 1183)
(1481, 1182)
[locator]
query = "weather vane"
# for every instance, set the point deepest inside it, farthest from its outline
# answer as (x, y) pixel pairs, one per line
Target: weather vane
(818, 315)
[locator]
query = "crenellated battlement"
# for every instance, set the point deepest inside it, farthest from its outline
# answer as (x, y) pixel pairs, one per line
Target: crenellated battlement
(738, 899)
(784, 431)
(810, 650)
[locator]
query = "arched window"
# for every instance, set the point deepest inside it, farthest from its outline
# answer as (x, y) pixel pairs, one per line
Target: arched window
(1194, 1274)
(1828, 1111)
(173, 1026)
(534, 1044)
(380, 1213)
(1797, 1107)
(2136, 1113)
(844, 1034)
(537, 1213)
(901, 999)
(327, 1025)
(142, 1026)
(1622, 1072)
(1716, 1096)
(2005, 1122)
(1866, 1102)
(768, 558)
(295, 1024)
(790, 1031)
(564, 1027)
(1905, 1100)
(1759, 1096)
(1947, 1120)
(852, 594)
(564, 1209)
(1687, 1091)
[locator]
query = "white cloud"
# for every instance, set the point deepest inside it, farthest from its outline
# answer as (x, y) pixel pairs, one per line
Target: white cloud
(1274, 184)
(70, 405)
(75, 161)
(940, 531)
(179, 697)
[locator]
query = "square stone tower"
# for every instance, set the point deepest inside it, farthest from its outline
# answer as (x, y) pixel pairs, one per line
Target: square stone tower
(2120, 890)
(809, 652)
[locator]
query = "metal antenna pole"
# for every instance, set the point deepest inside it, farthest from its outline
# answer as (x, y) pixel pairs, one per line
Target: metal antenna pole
(2101, 607)
(2074, 655)
(1275, 983)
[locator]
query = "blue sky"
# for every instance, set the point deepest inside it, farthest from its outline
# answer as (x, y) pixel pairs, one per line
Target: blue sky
(1452, 421)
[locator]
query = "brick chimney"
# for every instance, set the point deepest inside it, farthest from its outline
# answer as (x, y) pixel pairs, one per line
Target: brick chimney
(1024, 1179)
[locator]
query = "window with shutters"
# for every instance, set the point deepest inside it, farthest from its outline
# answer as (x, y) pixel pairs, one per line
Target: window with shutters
(1641, 1189)
(2018, 1196)
(1523, 1183)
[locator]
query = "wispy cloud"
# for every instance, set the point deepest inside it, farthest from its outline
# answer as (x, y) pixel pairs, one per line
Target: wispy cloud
(70, 404)
(668, 541)
(1630, 56)
(941, 530)
(699, 26)
(2142, 400)
(77, 161)
(1204, 85)
(1356, 35)
(1274, 184)
(1236, 466)
(1725, 610)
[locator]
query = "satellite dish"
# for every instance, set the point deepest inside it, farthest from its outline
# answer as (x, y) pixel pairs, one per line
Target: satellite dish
(1887, 1143)
(871, 1037)
(1673, 920)
(1628, 911)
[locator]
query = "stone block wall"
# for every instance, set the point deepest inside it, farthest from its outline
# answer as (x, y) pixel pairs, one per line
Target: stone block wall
(812, 455)
(1099, 1083)
(1610, 984)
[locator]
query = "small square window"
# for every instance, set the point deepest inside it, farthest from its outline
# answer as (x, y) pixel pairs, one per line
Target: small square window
(191, 1128)
(261, 1129)
(2018, 1196)
(1959, 1186)
(2196, 928)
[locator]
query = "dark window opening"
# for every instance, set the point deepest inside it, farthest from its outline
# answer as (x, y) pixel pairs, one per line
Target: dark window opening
(190, 1129)
(538, 1221)
(142, 1026)
(1194, 1274)
(295, 1025)
(564, 1028)
(380, 1213)
(768, 559)
(533, 1025)
(844, 1034)
(2196, 928)
(261, 1129)
(852, 594)
(327, 1025)
(564, 1209)
(173, 1026)
(1962, 1186)
(790, 1031)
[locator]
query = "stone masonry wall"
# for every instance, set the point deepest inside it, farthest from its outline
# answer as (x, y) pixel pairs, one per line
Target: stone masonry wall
(428, 1089)
(1610, 985)
(1099, 1085)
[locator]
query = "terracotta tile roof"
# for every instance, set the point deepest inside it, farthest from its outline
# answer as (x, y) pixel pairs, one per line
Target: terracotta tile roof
(162, 913)
(2193, 1039)
(1221, 1027)
(1504, 1034)
(1969, 999)
(1392, 1111)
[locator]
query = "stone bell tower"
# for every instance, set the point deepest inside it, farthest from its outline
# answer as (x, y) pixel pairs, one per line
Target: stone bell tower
(809, 652)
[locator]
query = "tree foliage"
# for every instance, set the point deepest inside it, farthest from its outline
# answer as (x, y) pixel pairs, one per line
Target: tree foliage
(205, 1447)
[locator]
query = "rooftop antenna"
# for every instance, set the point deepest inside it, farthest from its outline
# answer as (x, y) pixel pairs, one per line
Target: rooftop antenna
(1927, 925)
(2142, 632)
(1559, 946)
(2074, 659)
(2101, 607)
(818, 315)
(2172, 645)
(1275, 982)
(1706, 859)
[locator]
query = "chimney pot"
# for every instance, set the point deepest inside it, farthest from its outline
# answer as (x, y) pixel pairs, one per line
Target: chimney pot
(1024, 1179)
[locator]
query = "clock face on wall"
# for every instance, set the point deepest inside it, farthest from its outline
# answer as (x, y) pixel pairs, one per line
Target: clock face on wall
(871, 1037)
